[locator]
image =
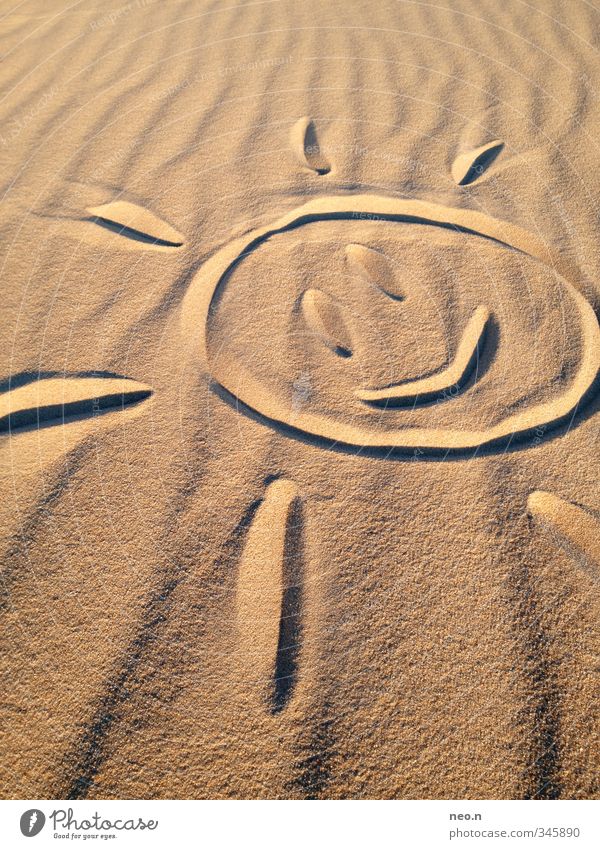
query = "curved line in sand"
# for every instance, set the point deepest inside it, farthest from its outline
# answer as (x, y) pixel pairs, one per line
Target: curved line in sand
(265, 593)
(305, 143)
(374, 267)
(55, 398)
(453, 377)
(324, 317)
(237, 380)
(469, 166)
(572, 523)
(136, 222)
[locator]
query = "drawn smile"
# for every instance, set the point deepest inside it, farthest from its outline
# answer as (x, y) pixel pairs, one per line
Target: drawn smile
(445, 383)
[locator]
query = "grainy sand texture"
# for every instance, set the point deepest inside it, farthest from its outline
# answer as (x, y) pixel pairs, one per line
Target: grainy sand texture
(299, 399)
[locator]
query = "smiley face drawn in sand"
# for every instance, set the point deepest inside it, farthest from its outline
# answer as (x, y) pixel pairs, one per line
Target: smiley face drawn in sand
(372, 362)
(356, 399)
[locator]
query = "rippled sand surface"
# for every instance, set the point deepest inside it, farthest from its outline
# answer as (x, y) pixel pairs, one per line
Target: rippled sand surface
(299, 399)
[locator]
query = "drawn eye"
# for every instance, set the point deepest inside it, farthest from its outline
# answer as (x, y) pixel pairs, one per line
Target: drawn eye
(374, 267)
(324, 316)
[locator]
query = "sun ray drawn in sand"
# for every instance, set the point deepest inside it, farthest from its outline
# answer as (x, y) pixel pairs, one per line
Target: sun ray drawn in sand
(270, 580)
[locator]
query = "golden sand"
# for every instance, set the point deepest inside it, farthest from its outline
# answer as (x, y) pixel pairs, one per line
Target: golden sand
(298, 440)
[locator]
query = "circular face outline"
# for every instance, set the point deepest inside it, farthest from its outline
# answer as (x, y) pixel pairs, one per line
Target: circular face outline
(248, 391)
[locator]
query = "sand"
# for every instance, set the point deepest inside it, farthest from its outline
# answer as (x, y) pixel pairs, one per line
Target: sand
(298, 414)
